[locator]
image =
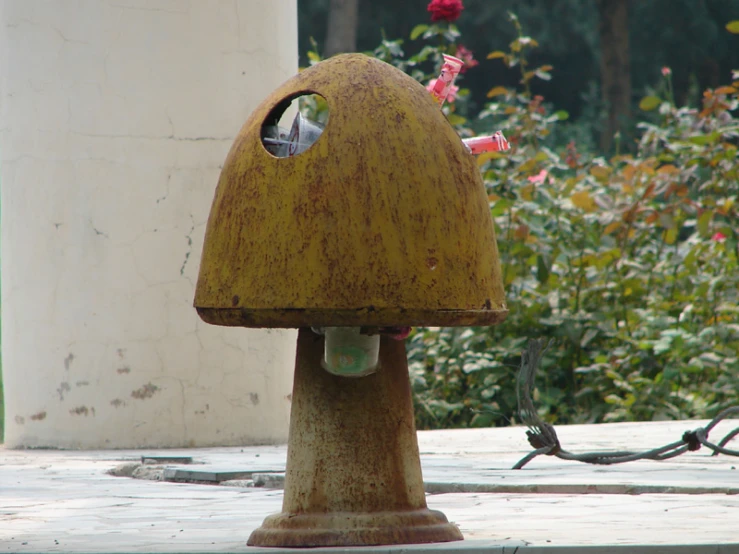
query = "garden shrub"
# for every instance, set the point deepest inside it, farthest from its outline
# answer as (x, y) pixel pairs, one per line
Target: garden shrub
(628, 263)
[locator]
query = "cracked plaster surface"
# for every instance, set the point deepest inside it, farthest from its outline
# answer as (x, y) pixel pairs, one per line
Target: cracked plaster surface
(115, 117)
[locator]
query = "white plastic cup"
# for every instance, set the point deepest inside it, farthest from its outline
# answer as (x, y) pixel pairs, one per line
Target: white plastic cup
(283, 143)
(449, 71)
(303, 134)
(349, 353)
(492, 143)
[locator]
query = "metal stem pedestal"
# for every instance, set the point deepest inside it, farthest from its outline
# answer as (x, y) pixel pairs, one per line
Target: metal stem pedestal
(353, 467)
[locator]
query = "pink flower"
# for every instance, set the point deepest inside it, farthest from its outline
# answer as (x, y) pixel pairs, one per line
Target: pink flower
(539, 178)
(466, 56)
(719, 237)
(453, 90)
(445, 10)
(666, 71)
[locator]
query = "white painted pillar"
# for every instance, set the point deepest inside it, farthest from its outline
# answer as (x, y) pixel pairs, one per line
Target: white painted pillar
(115, 118)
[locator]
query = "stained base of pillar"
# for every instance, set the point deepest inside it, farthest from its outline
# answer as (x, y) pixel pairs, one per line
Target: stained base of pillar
(353, 529)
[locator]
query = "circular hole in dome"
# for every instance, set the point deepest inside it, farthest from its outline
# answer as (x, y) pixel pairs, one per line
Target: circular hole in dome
(294, 124)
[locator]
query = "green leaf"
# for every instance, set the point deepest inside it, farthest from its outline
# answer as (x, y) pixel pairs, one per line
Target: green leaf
(562, 115)
(671, 235)
(649, 103)
(424, 54)
(418, 30)
(501, 206)
(496, 54)
(702, 140)
(497, 91)
(733, 26)
(703, 222)
(612, 399)
(689, 260)
(542, 271)
(711, 358)
(451, 34)
(455, 119)
(484, 419)
(314, 57)
(589, 335)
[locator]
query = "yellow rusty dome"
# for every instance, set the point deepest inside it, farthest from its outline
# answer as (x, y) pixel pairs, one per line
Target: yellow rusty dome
(383, 221)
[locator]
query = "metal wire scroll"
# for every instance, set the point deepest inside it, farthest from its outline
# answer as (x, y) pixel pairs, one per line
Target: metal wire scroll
(543, 437)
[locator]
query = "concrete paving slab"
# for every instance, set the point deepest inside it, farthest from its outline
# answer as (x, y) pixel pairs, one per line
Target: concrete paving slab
(207, 475)
(64, 501)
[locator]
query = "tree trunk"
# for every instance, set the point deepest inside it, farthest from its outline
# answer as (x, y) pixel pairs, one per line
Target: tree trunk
(341, 34)
(615, 67)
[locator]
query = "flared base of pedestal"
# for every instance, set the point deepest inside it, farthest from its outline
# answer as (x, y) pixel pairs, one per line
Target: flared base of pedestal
(351, 529)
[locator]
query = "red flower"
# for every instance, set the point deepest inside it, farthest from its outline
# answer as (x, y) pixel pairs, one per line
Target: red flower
(666, 71)
(445, 10)
(719, 237)
(466, 56)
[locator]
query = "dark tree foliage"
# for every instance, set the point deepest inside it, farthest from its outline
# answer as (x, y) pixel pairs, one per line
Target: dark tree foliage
(689, 37)
(686, 35)
(615, 68)
(341, 34)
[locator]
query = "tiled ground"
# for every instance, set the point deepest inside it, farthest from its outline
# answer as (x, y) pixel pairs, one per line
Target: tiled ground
(64, 501)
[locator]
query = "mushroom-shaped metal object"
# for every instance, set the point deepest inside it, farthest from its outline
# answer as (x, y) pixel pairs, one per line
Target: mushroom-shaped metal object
(383, 221)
